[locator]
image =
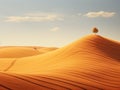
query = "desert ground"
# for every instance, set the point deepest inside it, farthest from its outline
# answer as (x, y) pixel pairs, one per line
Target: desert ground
(89, 63)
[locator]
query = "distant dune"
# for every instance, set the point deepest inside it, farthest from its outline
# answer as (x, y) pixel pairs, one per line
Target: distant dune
(90, 63)
(22, 51)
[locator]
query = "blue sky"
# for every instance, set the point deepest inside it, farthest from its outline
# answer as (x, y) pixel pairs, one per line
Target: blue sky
(56, 22)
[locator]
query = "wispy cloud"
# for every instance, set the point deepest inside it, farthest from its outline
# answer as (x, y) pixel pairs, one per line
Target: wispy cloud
(54, 29)
(35, 17)
(100, 14)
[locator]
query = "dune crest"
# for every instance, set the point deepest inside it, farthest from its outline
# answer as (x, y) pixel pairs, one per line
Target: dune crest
(90, 63)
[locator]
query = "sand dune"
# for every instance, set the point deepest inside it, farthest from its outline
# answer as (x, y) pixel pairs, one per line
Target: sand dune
(90, 63)
(22, 51)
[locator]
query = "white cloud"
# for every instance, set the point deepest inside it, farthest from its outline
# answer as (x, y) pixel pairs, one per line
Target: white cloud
(54, 29)
(100, 14)
(35, 17)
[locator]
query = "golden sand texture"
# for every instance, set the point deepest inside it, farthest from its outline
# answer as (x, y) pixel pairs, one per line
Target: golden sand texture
(90, 63)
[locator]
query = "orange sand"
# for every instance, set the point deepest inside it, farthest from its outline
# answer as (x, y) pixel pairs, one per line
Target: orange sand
(90, 63)
(22, 51)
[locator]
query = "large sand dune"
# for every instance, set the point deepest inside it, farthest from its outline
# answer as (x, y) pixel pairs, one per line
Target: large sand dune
(90, 63)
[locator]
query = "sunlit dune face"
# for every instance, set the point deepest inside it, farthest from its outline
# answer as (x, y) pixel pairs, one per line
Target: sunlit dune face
(90, 63)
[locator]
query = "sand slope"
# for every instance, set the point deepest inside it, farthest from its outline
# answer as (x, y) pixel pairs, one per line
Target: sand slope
(90, 63)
